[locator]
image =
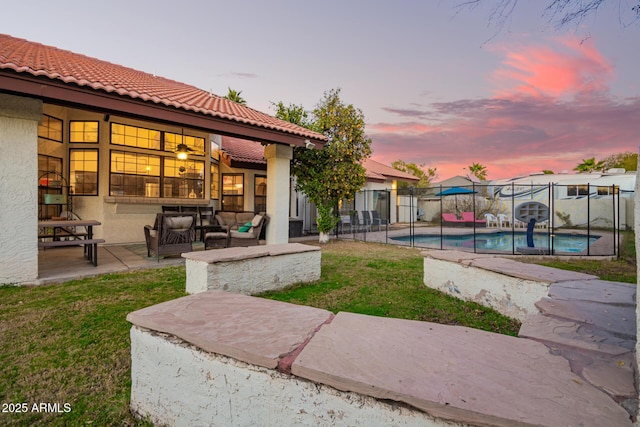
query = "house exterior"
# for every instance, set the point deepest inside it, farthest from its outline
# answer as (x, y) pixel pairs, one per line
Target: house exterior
(243, 158)
(100, 139)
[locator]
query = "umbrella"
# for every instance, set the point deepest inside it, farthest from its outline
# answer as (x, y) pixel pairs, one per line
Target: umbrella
(455, 191)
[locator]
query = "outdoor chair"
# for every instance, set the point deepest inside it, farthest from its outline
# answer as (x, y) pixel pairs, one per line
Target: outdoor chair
(171, 208)
(366, 220)
(345, 220)
(172, 234)
(451, 220)
(492, 220)
(504, 220)
(470, 219)
(206, 221)
(248, 234)
(375, 219)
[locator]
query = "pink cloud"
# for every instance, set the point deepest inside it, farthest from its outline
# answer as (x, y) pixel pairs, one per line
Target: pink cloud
(553, 110)
(568, 67)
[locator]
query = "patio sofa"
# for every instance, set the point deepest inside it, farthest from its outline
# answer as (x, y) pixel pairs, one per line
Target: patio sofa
(451, 220)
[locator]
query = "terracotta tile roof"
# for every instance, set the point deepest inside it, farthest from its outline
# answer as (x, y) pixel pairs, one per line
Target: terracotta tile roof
(243, 150)
(378, 171)
(23, 56)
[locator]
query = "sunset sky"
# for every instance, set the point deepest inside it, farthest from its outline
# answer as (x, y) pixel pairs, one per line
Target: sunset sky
(438, 85)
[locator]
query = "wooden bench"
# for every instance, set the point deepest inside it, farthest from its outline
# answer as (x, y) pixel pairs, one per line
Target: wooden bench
(90, 247)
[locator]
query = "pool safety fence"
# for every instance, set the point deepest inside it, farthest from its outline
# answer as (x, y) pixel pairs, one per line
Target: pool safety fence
(569, 219)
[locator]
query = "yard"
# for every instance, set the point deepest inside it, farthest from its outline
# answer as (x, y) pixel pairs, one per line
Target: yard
(65, 356)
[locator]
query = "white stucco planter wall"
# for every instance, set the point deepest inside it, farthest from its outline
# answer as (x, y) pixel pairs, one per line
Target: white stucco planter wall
(177, 384)
(510, 296)
(510, 287)
(253, 269)
(19, 119)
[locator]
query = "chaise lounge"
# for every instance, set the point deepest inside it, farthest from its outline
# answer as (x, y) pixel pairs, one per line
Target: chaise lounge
(451, 220)
(470, 219)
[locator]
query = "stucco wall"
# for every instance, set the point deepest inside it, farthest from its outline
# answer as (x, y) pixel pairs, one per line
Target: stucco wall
(177, 384)
(19, 119)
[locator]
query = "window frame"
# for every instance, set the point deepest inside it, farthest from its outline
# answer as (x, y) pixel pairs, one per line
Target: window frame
(49, 119)
(239, 197)
(256, 196)
(84, 132)
(97, 171)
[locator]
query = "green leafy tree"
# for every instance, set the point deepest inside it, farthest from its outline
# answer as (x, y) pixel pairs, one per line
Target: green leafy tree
(234, 95)
(589, 165)
(425, 176)
(295, 114)
(479, 171)
(626, 160)
(335, 172)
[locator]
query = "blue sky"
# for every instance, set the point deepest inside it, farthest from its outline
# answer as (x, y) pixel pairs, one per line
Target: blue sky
(438, 86)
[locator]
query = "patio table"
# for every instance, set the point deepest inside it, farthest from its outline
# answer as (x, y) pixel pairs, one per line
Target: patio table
(68, 229)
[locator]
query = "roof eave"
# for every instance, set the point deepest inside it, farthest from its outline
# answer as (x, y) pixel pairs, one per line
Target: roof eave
(54, 92)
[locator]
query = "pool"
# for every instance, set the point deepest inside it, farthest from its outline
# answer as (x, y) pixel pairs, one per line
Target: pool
(504, 241)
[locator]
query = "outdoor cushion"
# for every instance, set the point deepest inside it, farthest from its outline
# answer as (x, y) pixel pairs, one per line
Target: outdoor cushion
(179, 223)
(256, 220)
(245, 228)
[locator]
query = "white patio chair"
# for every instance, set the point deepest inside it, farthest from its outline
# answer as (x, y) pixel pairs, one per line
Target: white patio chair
(504, 221)
(492, 220)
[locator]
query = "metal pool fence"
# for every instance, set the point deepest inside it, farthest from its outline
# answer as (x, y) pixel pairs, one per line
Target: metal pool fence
(580, 219)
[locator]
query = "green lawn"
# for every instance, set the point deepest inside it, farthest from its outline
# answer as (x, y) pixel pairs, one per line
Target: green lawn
(69, 343)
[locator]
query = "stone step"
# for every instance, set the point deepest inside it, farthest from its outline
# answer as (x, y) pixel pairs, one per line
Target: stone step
(619, 320)
(596, 291)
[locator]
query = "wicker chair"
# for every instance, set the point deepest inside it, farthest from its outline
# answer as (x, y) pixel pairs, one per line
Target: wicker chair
(250, 237)
(172, 234)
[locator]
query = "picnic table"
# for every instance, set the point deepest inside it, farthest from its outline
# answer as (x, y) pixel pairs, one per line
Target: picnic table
(58, 233)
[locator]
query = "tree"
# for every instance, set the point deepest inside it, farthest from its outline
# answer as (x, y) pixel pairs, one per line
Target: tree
(418, 171)
(234, 96)
(295, 114)
(560, 13)
(589, 165)
(547, 172)
(335, 172)
(479, 171)
(627, 160)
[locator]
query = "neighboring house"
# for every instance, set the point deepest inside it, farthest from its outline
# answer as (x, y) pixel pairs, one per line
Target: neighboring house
(108, 136)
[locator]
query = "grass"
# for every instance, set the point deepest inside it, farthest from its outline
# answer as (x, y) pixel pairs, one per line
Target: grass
(69, 343)
(623, 269)
(386, 280)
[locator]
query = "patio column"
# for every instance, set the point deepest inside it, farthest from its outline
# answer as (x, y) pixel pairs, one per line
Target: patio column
(19, 119)
(278, 176)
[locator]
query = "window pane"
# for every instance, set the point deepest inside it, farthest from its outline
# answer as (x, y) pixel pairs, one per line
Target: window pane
(83, 175)
(260, 198)
(134, 174)
(215, 181)
(183, 179)
(50, 128)
(135, 136)
(233, 192)
(83, 131)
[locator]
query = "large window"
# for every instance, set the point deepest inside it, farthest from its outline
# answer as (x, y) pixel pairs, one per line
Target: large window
(50, 128)
(233, 192)
(215, 181)
(260, 194)
(83, 131)
(183, 178)
(133, 136)
(83, 171)
(134, 174)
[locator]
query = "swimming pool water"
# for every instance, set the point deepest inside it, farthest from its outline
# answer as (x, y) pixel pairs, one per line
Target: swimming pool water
(504, 241)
